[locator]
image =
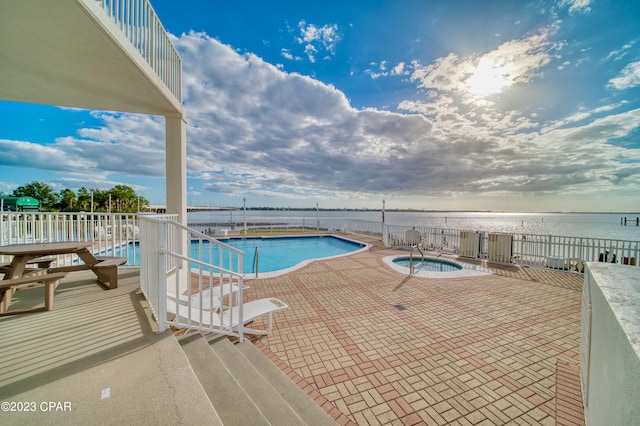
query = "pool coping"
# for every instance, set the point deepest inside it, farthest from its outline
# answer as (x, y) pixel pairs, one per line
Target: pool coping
(468, 269)
(273, 274)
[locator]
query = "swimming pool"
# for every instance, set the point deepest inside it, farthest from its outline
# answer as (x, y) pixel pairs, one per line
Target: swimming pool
(282, 254)
(434, 268)
(276, 255)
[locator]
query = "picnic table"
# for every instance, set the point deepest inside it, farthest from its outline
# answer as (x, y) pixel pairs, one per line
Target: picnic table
(31, 263)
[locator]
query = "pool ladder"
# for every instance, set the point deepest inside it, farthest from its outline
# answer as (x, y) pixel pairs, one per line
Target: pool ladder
(255, 261)
(411, 271)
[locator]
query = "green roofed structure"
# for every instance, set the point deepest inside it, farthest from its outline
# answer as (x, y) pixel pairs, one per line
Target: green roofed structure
(20, 204)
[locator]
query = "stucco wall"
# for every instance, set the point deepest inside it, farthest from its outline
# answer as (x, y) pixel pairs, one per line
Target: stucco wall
(613, 370)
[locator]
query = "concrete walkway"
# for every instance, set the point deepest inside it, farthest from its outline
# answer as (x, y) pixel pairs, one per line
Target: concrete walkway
(94, 359)
(377, 347)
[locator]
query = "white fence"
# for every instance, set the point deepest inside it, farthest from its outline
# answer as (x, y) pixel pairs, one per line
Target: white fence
(192, 275)
(538, 251)
(119, 234)
(112, 233)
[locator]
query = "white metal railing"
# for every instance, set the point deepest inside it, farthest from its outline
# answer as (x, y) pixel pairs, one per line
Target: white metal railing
(561, 252)
(139, 23)
(537, 251)
(178, 265)
(113, 234)
(118, 234)
(362, 227)
(443, 240)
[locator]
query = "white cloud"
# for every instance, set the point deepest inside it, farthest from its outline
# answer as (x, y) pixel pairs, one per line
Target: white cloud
(318, 39)
(466, 94)
(288, 133)
(287, 54)
(584, 114)
(629, 77)
(399, 69)
(37, 156)
(382, 69)
(516, 61)
(619, 54)
(311, 51)
(576, 5)
(254, 129)
(127, 144)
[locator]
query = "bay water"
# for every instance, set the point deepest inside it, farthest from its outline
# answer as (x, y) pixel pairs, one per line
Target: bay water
(590, 225)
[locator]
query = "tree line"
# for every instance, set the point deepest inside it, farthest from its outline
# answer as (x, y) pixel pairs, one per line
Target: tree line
(120, 198)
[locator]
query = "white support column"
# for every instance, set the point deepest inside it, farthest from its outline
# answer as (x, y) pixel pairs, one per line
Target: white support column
(176, 164)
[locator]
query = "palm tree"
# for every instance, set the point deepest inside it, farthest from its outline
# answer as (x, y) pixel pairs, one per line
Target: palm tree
(67, 199)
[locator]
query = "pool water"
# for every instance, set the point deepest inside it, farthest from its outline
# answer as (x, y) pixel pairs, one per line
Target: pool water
(274, 254)
(277, 253)
(430, 265)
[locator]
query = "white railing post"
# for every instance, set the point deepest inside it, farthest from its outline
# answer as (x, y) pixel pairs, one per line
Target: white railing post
(161, 291)
(240, 298)
(115, 231)
(385, 234)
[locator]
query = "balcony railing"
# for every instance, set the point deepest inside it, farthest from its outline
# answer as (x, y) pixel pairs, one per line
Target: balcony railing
(139, 23)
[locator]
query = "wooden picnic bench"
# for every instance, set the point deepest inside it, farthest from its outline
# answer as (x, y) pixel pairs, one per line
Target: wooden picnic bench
(9, 286)
(35, 264)
(105, 268)
(31, 263)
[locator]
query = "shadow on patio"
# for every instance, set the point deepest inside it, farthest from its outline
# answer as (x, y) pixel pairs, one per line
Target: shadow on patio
(96, 351)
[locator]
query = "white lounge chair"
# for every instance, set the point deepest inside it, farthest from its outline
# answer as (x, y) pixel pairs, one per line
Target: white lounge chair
(227, 320)
(211, 297)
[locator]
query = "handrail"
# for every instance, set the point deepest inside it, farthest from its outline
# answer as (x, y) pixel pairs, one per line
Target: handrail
(420, 250)
(411, 262)
(139, 23)
(200, 263)
(255, 262)
(170, 265)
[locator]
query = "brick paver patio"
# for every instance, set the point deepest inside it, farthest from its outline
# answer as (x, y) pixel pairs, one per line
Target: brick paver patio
(373, 346)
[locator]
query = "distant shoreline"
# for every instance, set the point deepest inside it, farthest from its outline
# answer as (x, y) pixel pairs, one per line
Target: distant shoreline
(413, 210)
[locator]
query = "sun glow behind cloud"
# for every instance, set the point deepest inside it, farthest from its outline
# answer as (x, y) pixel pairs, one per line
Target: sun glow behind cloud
(477, 75)
(489, 77)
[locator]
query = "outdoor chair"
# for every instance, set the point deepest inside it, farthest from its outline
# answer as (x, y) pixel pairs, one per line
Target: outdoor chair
(227, 320)
(210, 297)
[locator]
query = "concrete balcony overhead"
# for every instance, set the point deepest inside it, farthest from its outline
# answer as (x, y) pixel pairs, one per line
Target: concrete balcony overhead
(72, 53)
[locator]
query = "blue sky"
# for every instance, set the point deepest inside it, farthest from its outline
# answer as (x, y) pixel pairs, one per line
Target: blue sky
(492, 105)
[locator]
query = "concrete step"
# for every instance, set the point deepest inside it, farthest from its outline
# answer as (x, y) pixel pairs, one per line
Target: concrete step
(245, 387)
(267, 400)
(306, 408)
(229, 399)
